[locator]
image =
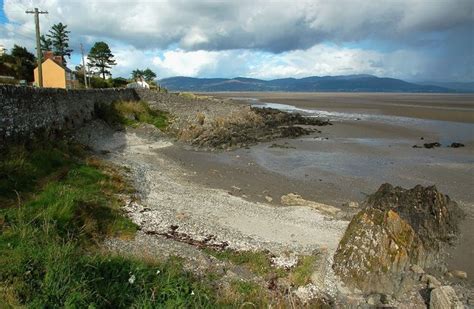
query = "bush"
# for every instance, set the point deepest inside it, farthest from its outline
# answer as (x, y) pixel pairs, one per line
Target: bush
(97, 82)
(132, 113)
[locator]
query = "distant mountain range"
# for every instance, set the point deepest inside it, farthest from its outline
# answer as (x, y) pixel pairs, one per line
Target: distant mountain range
(344, 83)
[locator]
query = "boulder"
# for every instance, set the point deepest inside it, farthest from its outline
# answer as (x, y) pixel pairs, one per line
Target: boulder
(377, 251)
(459, 274)
(444, 297)
(456, 145)
(433, 215)
(431, 145)
(397, 232)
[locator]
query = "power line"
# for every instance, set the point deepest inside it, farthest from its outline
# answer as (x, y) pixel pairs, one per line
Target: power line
(37, 12)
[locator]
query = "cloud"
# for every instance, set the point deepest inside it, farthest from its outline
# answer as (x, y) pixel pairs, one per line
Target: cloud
(274, 26)
(320, 59)
(265, 38)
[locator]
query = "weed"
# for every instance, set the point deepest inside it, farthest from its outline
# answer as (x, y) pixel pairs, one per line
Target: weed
(257, 261)
(301, 274)
(132, 113)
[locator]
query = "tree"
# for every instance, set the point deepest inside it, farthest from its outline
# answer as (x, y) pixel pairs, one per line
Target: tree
(137, 74)
(59, 37)
(22, 62)
(119, 82)
(149, 75)
(46, 44)
(101, 58)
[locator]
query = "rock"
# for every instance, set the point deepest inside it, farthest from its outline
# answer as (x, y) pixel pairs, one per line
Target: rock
(373, 300)
(433, 215)
(417, 269)
(444, 297)
(456, 145)
(286, 261)
(236, 188)
(431, 281)
(397, 231)
(385, 299)
(353, 204)
(431, 145)
(292, 199)
(459, 274)
(268, 198)
(376, 252)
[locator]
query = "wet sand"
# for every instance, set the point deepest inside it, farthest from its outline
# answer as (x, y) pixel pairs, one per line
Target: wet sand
(370, 143)
(447, 107)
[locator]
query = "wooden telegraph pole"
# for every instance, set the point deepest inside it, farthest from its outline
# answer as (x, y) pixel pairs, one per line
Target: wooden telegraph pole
(38, 44)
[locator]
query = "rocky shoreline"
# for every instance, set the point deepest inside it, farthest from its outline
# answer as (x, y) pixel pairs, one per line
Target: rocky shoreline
(389, 255)
(212, 124)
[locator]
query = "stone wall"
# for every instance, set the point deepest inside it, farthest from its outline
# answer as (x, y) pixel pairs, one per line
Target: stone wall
(25, 111)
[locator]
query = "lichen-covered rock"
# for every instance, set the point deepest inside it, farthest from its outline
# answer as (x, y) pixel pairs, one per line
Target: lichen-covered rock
(433, 215)
(377, 252)
(396, 230)
(444, 297)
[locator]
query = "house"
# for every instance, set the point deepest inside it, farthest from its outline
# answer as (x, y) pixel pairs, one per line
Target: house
(139, 83)
(55, 74)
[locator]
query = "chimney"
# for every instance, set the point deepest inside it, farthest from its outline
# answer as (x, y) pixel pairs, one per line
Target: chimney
(50, 55)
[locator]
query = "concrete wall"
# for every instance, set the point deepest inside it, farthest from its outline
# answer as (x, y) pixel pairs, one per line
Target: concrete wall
(25, 111)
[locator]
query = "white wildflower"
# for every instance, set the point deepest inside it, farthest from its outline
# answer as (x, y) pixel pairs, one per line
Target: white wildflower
(158, 272)
(192, 292)
(131, 280)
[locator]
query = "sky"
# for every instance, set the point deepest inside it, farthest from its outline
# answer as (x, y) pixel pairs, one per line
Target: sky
(415, 40)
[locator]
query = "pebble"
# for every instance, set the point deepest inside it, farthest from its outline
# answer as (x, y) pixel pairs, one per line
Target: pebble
(269, 198)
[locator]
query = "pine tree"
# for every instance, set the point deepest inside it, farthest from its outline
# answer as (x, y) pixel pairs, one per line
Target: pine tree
(137, 74)
(46, 44)
(59, 37)
(101, 58)
(149, 75)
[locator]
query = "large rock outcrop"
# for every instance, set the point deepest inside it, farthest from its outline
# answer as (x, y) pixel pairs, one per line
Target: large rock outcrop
(396, 230)
(433, 215)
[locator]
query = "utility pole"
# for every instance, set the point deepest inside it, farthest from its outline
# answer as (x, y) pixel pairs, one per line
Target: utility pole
(84, 68)
(38, 44)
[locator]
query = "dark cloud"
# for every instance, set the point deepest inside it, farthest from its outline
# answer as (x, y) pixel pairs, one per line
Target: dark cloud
(442, 28)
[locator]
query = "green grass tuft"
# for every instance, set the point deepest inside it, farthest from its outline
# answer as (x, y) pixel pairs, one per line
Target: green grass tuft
(132, 114)
(49, 232)
(257, 261)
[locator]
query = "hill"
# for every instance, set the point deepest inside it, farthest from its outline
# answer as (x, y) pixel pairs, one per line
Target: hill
(343, 83)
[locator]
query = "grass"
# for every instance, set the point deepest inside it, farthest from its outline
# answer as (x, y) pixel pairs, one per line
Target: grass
(57, 205)
(131, 113)
(259, 263)
(301, 274)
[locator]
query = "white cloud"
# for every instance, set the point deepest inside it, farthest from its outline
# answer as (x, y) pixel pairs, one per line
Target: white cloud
(247, 24)
(264, 38)
(179, 62)
(318, 60)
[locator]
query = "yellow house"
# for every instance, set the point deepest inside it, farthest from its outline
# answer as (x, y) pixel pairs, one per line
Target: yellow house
(56, 75)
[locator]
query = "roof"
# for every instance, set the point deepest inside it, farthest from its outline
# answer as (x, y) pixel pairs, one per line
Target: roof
(65, 68)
